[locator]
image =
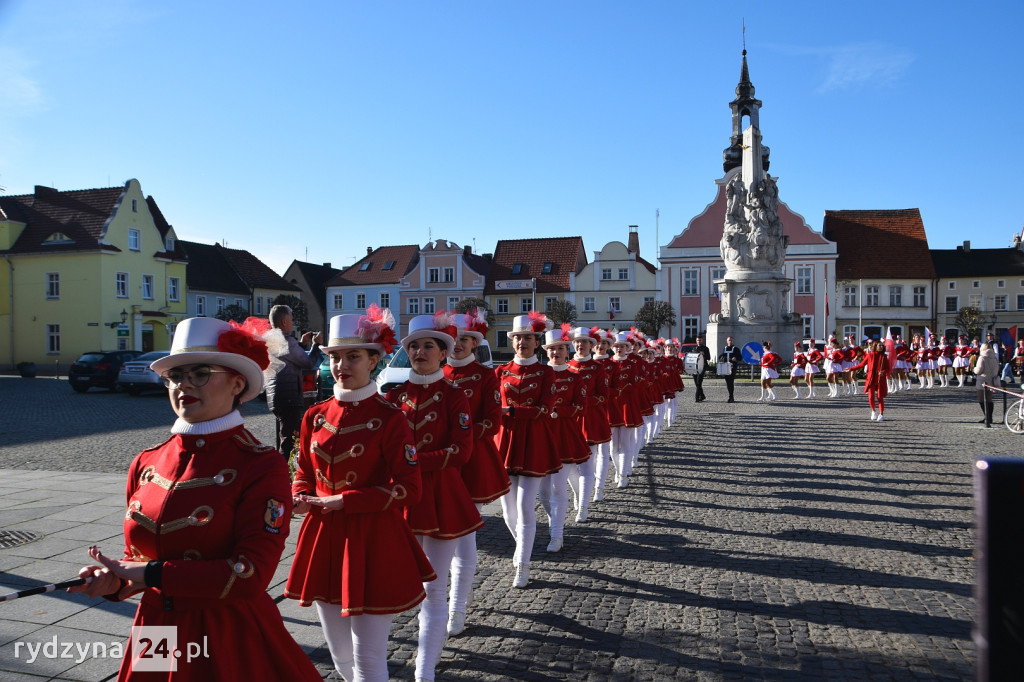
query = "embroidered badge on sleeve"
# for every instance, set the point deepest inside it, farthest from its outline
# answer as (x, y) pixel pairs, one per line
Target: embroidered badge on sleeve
(273, 516)
(464, 420)
(410, 454)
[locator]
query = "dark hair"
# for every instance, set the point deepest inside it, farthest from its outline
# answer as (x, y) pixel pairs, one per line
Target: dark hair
(766, 344)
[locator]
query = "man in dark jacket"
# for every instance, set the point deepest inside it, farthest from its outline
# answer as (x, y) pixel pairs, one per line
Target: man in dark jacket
(284, 378)
(698, 377)
(732, 355)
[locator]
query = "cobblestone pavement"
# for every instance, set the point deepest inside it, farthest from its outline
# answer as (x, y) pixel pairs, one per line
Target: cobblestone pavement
(796, 540)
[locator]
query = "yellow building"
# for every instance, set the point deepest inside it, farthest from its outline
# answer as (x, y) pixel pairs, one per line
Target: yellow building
(86, 270)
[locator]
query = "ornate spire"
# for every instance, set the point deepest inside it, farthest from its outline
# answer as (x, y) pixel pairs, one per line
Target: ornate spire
(745, 104)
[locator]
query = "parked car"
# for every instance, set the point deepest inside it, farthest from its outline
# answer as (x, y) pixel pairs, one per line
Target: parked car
(136, 376)
(99, 368)
(397, 371)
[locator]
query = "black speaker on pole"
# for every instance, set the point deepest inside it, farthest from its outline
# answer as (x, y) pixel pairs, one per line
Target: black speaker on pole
(999, 537)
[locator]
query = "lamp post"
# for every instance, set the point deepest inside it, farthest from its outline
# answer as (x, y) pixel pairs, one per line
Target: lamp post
(124, 318)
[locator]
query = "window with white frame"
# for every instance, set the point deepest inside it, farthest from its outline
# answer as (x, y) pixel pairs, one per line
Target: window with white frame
(606, 273)
(952, 304)
(975, 301)
(804, 280)
(648, 299)
(525, 305)
(452, 302)
(920, 297)
(807, 322)
(976, 284)
(502, 338)
(691, 279)
(52, 339)
(413, 306)
(501, 306)
(549, 303)
(433, 275)
(360, 301)
(259, 305)
(999, 302)
(449, 274)
(53, 285)
(691, 327)
(614, 304)
(717, 273)
(850, 297)
(895, 296)
(147, 287)
(169, 244)
(174, 288)
(623, 273)
(122, 343)
(849, 329)
(221, 301)
(384, 299)
(897, 330)
(1000, 283)
(871, 295)
(952, 285)
(134, 240)
(121, 284)
(200, 306)
(1020, 301)
(589, 304)
(339, 300)
(428, 305)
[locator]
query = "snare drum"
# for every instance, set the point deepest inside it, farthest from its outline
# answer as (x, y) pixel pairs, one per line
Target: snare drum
(693, 363)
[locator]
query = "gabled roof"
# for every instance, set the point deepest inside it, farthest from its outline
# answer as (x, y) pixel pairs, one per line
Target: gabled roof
(961, 262)
(370, 270)
(565, 254)
(80, 215)
(316, 277)
(886, 244)
(208, 270)
(164, 227)
(255, 272)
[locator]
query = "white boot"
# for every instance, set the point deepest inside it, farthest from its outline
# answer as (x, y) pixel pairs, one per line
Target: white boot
(920, 380)
(771, 392)
(960, 378)
(761, 399)
(931, 381)
(874, 415)
(555, 545)
(796, 392)
(812, 393)
(522, 575)
(879, 416)
(456, 622)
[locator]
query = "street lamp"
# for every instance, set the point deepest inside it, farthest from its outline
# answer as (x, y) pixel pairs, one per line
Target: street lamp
(124, 318)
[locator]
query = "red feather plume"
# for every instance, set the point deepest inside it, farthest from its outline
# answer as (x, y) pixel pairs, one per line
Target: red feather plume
(246, 339)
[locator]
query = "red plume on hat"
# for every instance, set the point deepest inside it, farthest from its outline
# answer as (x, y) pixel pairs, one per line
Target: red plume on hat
(478, 321)
(597, 334)
(539, 323)
(566, 331)
(246, 339)
(444, 321)
(377, 326)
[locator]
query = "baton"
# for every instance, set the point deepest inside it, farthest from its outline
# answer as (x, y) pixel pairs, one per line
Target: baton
(43, 589)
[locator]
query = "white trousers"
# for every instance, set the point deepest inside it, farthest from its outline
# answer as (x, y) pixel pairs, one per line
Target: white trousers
(554, 497)
(623, 441)
(581, 479)
(434, 609)
(358, 644)
(518, 506)
(603, 456)
(463, 570)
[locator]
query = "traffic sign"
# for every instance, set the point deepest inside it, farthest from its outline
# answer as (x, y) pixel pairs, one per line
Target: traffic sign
(752, 353)
(503, 284)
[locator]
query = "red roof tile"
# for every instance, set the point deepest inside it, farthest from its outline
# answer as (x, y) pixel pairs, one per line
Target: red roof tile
(890, 244)
(370, 270)
(566, 255)
(81, 215)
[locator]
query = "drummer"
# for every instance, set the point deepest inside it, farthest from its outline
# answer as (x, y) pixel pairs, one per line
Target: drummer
(697, 367)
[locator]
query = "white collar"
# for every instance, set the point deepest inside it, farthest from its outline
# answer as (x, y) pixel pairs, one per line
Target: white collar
(228, 421)
(346, 395)
(559, 368)
(582, 358)
(524, 362)
(468, 360)
(425, 379)
(616, 358)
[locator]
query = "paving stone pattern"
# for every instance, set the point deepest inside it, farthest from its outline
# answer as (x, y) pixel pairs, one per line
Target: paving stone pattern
(796, 540)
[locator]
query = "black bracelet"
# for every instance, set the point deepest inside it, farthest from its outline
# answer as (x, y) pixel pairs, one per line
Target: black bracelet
(154, 574)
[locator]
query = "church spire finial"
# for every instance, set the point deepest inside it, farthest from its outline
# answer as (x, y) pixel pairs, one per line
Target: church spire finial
(744, 106)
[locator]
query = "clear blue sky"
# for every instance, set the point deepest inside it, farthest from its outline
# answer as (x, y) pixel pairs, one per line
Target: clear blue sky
(334, 126)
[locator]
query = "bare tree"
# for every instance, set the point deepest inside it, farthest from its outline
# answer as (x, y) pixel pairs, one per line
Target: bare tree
(654, 315)
(467, 304)
(970, 321)
(561, 311)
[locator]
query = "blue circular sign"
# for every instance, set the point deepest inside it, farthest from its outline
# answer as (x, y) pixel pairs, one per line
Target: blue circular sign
(752, 353)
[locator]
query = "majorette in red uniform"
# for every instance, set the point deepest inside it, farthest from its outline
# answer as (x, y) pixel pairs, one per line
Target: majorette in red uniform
(525, 440)
(833, 366)
(356, 559)
(798, 370)
(484, 473)
(676, 369)
(943, 360)
(814, 360)
(624, 410)
(876, 365)
(961, 360)
(442, 429)
(903, 365)
(569, 397)
(769, 370)
(603, 359)
(654, 392)
(593, 419)
(206, 521)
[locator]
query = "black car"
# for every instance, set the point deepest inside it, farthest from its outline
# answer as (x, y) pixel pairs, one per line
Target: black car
(99, 368)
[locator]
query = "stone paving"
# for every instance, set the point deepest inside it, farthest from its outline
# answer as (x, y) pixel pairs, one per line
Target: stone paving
(797, 540)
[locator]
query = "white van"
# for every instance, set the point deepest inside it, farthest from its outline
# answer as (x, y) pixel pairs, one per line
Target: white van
(397, 371)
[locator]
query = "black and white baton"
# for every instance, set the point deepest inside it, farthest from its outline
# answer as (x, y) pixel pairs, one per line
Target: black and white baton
(43, 589)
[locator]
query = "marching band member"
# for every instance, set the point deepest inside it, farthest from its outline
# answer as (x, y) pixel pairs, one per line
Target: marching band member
(944, 360)
(919, 359)
(833, 366)
(207, 516)
(877, 367)
(961, 360)
(594, 417)
(439, 417)
(602, 356)
(903, 365)
(814, 360)
(624, 411)
(676, 370)
(525, 438)
(484, 474)
(848, 361)
(356, 472)
(798, 371)
(769, 370)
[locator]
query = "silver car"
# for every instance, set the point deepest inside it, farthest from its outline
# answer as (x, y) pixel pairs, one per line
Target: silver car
(136, 376)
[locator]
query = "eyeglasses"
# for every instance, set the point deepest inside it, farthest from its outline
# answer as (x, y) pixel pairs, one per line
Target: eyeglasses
(197, 376)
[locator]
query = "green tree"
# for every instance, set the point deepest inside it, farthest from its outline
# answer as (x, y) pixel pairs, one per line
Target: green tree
(654, 315)
(970, 321)
(233, 312)
(300, 317)
(467, 304)
(561, 311)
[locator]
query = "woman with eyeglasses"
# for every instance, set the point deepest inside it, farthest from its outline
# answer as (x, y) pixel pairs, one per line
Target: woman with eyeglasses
(206, 521)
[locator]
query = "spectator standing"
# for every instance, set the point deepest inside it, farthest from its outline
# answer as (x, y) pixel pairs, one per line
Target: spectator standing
(698, 377)
(730, 354)
(986, 370)
(284, 377)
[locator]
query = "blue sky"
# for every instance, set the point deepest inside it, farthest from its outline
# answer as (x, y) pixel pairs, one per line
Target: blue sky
(313, 130)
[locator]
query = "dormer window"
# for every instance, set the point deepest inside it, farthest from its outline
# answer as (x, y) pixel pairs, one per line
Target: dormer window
(135, 205)
(517, 268)
(134, 243)
(389, 265)
(546, 269)
(59, 238)
(365, 266)
(169, 245)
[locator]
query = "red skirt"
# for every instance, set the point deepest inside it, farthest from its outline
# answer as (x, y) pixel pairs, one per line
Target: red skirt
(445, 510)
(527, 446)
(624, 410)
(484, 474)
(594, 423)
(572, 447)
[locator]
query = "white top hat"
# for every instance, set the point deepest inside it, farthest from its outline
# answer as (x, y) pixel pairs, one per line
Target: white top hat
(438, 326)
(209, 341)
(622, 338)
(535, 323)
(372, 331)
(471, 325)
(557, 336)
(583, 334)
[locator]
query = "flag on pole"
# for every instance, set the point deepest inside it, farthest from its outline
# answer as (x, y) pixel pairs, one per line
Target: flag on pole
(1009, 340)
(927, 334)
(890, 347)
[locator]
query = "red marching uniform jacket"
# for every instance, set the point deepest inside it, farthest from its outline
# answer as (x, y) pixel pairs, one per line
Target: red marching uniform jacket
(623, 382)
(525, 440)
(215, 509)
(593, 418)
(814, 356)
(771, 360)
(484, 473)
(362, 557)
(799, 359)
(876, 370)
(570, 395)
(438, 416)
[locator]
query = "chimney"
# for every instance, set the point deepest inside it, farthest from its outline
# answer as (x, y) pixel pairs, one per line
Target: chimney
(369, 250)
(633, 245)
(967, 246)
(467, 250)
(43, 189)
(327, 265)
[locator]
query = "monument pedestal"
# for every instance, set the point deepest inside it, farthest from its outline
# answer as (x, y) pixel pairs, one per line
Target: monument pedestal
(755, 307)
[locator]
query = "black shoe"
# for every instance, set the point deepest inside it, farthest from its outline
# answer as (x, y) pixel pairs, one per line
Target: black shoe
(730, 400)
